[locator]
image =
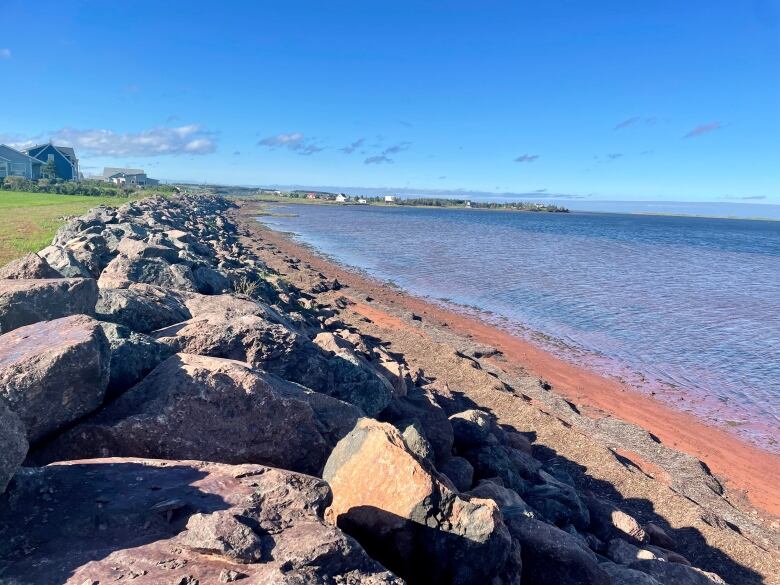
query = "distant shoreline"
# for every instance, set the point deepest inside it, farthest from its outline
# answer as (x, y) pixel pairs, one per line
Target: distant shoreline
(296, 201)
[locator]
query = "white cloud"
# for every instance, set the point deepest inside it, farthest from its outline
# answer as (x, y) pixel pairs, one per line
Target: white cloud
(5, 54)
(190, 139)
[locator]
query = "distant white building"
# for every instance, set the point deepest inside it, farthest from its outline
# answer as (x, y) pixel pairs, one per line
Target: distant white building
(389, 198)
(341, 198)
(362, 201)
(120, 176)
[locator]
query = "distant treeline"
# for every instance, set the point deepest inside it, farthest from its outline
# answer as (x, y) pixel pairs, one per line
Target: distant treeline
(89, 188)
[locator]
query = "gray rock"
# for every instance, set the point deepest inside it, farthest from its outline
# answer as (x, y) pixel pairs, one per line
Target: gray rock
(165, 522)
(625, 553)
(54, 372)
(414, 437)
(276, 348)
(133, 355)
(607, 521)
(504, 497)
(553, 557)
(29, 266)
(124, 270)
(675, 573)
(558, 502)
(197, 407)
(624, 576)
(13, 444)
(500, 461)
(23, 302)
(209, 281)
(472, 428)
(64, 262)
(420, 404)
(459, 471)
(141, 307)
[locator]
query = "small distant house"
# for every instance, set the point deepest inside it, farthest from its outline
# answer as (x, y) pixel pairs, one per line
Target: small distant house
(64, 157)
(311, 196)
(389, 198)
(18, 164)
(468, 203)
(362, 201)
(341, 198)
(128, 177)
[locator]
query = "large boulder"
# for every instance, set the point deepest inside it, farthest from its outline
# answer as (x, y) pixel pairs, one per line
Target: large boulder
(54, 372)
(197, 407)
(125, 270)
(29, 266)
(13, 444)
(27, 301)
(64, 262)
(406, 517)
(141, 307)
(552, 556)
(276, 348)
(133, 355)
(165, 522)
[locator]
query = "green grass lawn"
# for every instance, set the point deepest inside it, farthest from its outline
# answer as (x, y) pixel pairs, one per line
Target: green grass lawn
(28, 221)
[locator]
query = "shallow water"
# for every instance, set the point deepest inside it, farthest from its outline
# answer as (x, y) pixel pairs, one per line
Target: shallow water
(687, 308)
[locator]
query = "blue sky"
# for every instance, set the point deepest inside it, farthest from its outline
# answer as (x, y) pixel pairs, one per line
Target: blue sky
(661, 100)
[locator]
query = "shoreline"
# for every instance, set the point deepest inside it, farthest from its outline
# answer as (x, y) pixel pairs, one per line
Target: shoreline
(746, 469)
(295, 201)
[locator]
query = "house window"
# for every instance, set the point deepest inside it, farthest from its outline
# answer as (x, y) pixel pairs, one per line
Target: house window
(50, 158)
(18, 169)
(3, 168)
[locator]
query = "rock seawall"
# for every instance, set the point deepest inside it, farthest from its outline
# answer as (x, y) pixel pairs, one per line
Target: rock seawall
(192, 417)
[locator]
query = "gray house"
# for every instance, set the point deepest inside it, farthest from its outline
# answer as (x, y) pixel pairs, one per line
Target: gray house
(17, 164)
(134, 177)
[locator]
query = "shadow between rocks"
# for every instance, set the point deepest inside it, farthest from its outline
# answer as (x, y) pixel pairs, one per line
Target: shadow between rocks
(58, 518)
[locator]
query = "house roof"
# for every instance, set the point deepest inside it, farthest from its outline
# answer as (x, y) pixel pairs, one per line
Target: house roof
(18, 153)
(65, 151)
(111, 171)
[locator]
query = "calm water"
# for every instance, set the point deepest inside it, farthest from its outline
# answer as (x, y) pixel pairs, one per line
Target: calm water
(688, 308)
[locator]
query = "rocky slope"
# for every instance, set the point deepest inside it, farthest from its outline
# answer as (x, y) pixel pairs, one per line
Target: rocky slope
(173, 411)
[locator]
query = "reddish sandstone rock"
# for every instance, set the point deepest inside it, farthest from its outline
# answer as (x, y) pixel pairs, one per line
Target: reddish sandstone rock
(23, 301)
(54, 372)
(406, 517)
(29, 266)
(193, 406)
(151, 522)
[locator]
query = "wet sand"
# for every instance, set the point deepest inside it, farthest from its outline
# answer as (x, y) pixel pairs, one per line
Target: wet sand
(744, 468)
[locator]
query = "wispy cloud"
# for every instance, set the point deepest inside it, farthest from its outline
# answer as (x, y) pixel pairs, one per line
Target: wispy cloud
(614, 155)
(349, 149)
(384, 156)
(236, 153)
(191, 139)
(378, 160)
(441, 178)
(5, 54)
(703, 129)
(295, 141)
(131, 88)
(527, 158)
(745, 197)
(634, 121)
(541, 191)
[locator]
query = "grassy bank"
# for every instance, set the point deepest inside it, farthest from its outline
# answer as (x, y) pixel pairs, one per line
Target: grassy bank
(28, 221)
